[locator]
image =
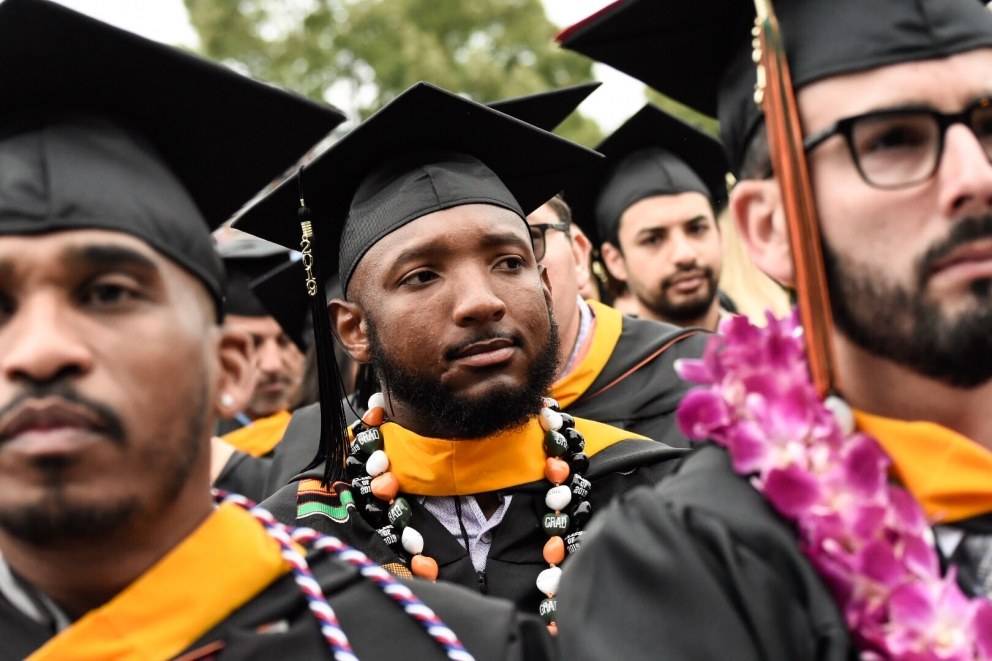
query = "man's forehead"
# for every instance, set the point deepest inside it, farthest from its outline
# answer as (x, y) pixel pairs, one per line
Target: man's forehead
(947, 83)
(78, 245)
(668, 210)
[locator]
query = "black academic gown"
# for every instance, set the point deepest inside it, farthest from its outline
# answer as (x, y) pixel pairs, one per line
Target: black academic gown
(376, 627)
(698, 567)
(245, 474)
(637, 390)
(516, 556)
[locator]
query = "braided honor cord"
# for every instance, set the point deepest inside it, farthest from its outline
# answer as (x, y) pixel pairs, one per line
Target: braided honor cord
(329, 625)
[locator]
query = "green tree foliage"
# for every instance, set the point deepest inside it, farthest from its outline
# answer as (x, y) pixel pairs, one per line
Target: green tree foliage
(362, 53)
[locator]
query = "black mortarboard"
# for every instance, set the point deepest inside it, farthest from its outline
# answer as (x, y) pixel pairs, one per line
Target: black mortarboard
(546, 110)
(101, 128)
(280, 292)
(699, 51)
(425, 151)
(652, 153)
(245, 260)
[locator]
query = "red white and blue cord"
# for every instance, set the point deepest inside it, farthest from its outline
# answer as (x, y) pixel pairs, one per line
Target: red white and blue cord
(330, 627)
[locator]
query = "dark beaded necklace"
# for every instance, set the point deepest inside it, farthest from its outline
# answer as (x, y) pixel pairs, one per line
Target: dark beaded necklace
(377, 490)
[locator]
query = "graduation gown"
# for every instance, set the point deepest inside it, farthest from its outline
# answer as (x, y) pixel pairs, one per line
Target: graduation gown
(617, 464)
(247, 470)
(274, 621)
(697, 567)
(703, 552)
(626, 379)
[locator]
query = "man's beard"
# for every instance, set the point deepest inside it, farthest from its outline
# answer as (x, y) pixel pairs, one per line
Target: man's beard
(58, 517)
(468, 417)
(685, 312)
(903, 326)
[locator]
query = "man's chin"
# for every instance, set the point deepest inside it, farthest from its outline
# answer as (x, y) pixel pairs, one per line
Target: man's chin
(54, 519)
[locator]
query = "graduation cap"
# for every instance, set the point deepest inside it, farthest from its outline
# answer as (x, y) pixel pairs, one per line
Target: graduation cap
(101, 128)
(546, 110)
(699, 51)
(425, 151)
(652, 153)
(472, 154)
(702, 53)
(282, 297)
(245, 260)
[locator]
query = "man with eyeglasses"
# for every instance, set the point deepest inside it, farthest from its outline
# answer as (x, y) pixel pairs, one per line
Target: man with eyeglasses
(821, 530)
(612, 368)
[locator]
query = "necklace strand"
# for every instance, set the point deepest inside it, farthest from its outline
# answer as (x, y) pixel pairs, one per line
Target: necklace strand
(567, 499)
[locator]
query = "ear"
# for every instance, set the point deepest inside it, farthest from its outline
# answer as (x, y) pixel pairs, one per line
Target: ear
(614, 261)
(237, 372)
(581, 249)
(756, 206)
(348, 326)
(545, 282)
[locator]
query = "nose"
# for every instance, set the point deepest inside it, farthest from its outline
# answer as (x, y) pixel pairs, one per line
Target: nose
(683, 250)
(477, 302)
(268, 356)
(40, 343)
(965, 175)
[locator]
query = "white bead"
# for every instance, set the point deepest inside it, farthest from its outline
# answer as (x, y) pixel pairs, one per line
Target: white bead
(376, 400)
(841, 411)
(377, 464)
(413, 541)
(550, 420)
(547, 580)
(558, 498)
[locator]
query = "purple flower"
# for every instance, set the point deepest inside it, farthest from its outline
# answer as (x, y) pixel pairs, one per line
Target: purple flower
(867, 539)
(702, 413)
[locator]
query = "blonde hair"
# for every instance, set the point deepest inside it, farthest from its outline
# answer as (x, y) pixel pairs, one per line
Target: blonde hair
(751, 290)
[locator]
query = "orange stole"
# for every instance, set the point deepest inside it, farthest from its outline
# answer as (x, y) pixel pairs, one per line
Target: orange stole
(258, 438)
(220, 566)
(606, 334)
(439, 467)
(949, 474)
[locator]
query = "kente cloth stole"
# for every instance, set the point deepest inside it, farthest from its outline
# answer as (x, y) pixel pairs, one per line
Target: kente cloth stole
(949, 474)
(219, 567)
(606, 334)
(258, 438)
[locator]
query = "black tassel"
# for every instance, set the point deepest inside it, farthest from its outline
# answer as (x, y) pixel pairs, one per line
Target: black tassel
(333, 436)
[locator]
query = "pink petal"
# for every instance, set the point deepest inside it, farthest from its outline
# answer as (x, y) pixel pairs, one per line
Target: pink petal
(748, 448)
(983, 628)
(865, 466)
(791, 490)
(912, 606)
(693, 371)
(880, 564)
(701, 413)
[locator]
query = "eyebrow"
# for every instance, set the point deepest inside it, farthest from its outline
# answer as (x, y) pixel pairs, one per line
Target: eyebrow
(108, 256)
(436, 249)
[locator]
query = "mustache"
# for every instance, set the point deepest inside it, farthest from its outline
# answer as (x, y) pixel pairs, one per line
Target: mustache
(964, 231)
(492, 334)
(109, 423)
(704, 271)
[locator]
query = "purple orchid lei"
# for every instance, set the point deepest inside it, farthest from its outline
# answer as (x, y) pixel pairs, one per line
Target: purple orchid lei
(868, 539)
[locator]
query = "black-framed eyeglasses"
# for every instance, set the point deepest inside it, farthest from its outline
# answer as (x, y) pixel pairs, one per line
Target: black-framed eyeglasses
(902, 147)
(537, 232)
